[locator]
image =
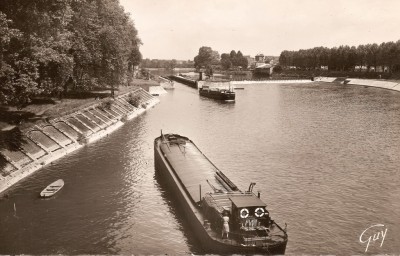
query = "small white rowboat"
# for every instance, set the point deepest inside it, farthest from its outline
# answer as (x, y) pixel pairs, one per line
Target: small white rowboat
(53, 188)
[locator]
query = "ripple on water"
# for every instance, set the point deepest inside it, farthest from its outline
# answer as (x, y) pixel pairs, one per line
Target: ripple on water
(325, 158)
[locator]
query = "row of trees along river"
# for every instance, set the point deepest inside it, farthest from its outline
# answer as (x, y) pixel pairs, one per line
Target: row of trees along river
(373, 57)
(208, 57)
(48, 47)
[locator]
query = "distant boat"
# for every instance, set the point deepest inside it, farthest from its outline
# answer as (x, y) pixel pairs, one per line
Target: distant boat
(53, 188)
(218, 90)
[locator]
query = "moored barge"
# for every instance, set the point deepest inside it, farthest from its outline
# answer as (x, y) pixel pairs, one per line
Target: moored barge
(216, 90)
(224, 219)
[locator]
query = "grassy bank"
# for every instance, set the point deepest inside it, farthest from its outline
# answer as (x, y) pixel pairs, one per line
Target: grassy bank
(48, 108)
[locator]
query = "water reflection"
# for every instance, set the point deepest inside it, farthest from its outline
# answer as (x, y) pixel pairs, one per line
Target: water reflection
(325, 158)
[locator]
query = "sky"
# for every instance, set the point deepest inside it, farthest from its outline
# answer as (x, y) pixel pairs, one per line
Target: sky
(176, 29)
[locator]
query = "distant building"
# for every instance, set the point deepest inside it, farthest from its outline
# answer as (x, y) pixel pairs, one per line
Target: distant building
(263, 69)
(260, 60)
(260, 57)
(264, 64)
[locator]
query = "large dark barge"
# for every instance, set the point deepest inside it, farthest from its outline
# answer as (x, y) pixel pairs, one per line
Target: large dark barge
(217, 90)
(184, 80)
(217, 94)
(224, 219)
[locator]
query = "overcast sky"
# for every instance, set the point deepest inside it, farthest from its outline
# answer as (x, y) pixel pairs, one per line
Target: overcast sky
(176, 29)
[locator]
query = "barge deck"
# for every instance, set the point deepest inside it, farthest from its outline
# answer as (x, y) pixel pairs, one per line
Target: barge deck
(225, 219)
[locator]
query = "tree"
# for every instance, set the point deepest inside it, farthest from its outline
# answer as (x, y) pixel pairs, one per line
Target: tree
(372, 55)
(241, 61)
(63, 43)
(226, 62)
(206, 57)
(171, 64)
(18, 73)
(232, 54)
(346, 58)
(277, 69)
(233, 59)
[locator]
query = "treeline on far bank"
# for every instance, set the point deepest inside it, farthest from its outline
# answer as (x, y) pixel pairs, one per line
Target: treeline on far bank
(50, 47)
(166, 64)
(368, 58)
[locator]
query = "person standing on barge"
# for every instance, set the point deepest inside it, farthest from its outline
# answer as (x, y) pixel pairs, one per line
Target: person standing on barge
(225, 226)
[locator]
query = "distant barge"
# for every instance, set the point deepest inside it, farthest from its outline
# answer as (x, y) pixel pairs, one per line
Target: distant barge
(217, 94)
(184, 80)
(224, 219)
(217, 90)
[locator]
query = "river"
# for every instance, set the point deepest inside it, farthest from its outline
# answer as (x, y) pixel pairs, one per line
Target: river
(325, 158)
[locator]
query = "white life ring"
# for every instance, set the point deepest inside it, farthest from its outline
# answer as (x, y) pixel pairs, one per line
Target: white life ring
(244, 213)
(259, 212)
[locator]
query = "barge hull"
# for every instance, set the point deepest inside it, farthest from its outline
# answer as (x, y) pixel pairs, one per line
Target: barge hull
(195, 217)
(217, 96)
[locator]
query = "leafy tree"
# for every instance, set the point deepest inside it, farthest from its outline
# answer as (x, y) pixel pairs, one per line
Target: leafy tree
(226, 62)
(18, 74)
(372, 55)
(345, 58)
(64, 44)
(171, 64)
(277, 69)
(206, 57)
(233, 59)
(241, 61)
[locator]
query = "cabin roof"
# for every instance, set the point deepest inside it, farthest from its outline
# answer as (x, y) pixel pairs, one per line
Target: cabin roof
(264, 65)
(247, 201)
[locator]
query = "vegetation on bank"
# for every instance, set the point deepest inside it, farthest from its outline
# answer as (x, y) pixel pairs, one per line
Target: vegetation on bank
(370, 57)
(167, 64)
(53, 48)
(14, 122)
(49, 108)
(208, 58)
(233, 60)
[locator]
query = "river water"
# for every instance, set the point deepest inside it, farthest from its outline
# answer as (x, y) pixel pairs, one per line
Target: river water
(325, 158)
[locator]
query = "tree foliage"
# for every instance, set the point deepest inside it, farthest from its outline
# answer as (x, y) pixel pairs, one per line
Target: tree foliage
(48, 47)
(233, 60)
(346, 58)
(206, 57)
(168, 64)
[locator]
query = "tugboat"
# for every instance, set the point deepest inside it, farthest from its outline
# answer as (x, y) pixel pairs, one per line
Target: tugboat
(225, 219)
(217, 90)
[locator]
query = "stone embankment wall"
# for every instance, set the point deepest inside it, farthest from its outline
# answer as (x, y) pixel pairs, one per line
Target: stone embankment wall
(42, 144)
(364, 82)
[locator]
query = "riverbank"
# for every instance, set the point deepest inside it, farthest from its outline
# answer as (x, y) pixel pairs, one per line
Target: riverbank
(49, 108)
(384, 84)
(50, 140)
